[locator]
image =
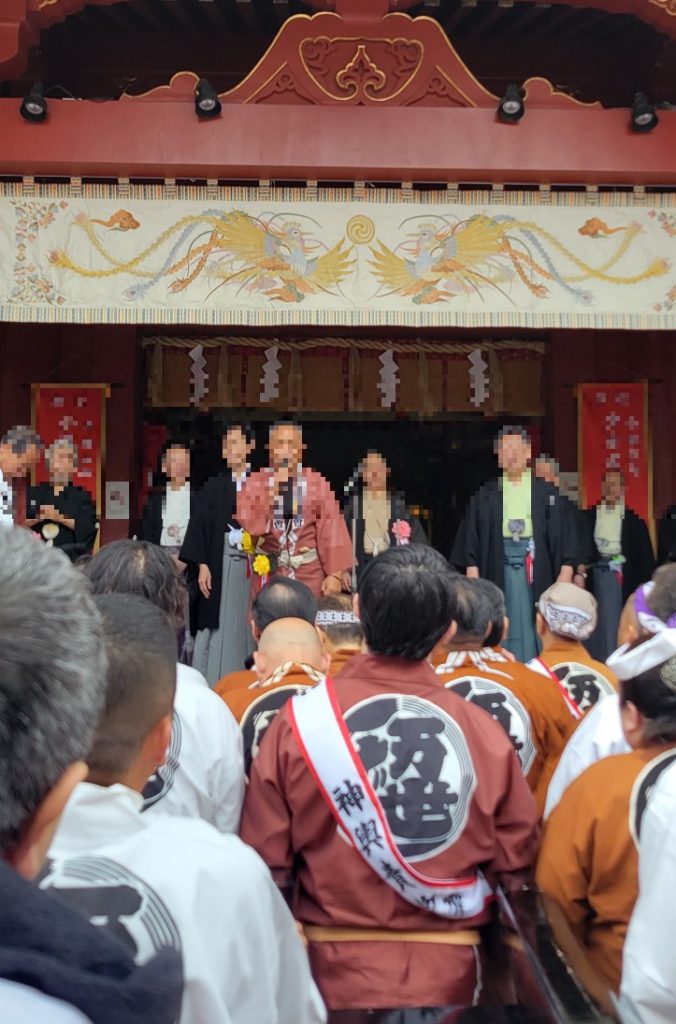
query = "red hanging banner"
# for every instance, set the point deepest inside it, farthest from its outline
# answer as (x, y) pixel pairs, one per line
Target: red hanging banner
(76, 411)
(613, 433)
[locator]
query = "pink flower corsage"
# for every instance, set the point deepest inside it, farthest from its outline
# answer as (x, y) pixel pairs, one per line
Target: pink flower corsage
(402, 531)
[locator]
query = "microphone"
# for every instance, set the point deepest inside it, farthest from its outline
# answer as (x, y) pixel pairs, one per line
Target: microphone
(286, 493)
(353, 482)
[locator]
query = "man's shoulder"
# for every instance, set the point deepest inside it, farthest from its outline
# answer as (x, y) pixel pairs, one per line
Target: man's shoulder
(234, 681)
(194, 695)
(21, 1004)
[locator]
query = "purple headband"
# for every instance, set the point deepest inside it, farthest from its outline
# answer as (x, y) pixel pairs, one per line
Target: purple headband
(645, 615)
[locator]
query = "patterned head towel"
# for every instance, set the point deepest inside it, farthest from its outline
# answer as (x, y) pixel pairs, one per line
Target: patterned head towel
(569, 611)
(330, 617)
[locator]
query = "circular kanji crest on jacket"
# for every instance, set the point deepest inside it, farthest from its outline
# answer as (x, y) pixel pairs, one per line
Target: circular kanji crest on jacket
(257, 718)
(161, 781)
(116, 900)
(505, 708)
(584, 685)
(643, 788)
(420, 767)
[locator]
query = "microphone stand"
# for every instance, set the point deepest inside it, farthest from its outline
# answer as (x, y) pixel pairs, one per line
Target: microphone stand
(351, 487)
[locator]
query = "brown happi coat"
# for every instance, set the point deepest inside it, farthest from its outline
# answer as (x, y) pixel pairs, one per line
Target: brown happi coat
(548, 723)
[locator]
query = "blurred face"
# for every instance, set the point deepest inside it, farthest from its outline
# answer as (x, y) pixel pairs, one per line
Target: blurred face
(62, 464)
(545, 471)
(176, 464)
(28, 460)
(236, 448)
(286, 446)
(374, 472)
(10, 462)
(612, 490)
(513, 453)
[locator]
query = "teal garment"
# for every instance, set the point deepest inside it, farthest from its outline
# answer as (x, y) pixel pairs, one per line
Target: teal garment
(522, 639)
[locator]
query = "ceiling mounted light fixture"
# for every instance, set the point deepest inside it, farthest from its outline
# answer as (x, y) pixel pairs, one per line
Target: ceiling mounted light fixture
(511, 107)
(643, 114)
(34, 105)
(207, 103)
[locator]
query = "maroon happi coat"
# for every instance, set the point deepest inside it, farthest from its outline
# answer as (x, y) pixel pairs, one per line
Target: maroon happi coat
(397, 713)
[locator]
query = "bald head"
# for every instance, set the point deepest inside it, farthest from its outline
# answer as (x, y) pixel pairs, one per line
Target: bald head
(289, 640)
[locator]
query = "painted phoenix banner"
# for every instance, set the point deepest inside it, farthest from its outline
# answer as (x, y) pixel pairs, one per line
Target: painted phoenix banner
(101, 254)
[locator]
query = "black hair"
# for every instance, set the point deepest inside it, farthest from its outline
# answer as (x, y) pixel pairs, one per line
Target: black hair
(405, 600)
(140, 681)
(243, 426)
(495, 604)
(140, 568)
(471, 610)
(516, 431)
(283, 598)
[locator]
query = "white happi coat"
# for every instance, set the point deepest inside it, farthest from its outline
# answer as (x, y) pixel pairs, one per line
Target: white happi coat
(162, 880)
(648, 994)
(20, 1004)
(204, 773)
(598, 735)
(6, 517)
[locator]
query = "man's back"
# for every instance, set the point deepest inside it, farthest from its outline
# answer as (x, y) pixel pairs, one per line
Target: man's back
(531, 712)
(585, 680)
(165, 881)
(204, 773)
(455, 800)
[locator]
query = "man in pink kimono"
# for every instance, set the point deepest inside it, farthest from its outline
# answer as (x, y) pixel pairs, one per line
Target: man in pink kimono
(293, 516)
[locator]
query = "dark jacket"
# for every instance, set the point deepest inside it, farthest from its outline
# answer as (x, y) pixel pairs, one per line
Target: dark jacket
(74, 503)
(666, 537)
(50, 947)
(479, 540)
(398, 511)
(636, 548)
(205, 538)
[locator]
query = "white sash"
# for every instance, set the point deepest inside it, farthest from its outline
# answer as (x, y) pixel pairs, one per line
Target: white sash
(326, 745)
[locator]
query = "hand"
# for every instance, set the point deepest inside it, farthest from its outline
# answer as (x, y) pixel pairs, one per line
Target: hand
(580, 580)
(565, 574)
(49, 512)
(346, 579)
(204, 581)
(472, 572)
(332, 585)
(180, 566)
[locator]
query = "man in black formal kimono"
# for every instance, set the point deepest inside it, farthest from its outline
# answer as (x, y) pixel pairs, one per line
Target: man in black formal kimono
(517, 533)
(547, 469)
(621, 559)
(61, 513)
(213, 542)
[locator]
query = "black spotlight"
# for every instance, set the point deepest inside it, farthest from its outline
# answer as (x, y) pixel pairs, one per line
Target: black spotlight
(34, 106)
(207, 103)
(511, 106)
(643, 115)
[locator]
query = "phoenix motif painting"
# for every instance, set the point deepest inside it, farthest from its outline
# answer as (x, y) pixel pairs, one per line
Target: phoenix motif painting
(245, 258)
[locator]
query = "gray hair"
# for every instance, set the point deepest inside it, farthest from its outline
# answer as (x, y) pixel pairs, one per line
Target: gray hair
(52, 675)
(21, 438)
(61, 442)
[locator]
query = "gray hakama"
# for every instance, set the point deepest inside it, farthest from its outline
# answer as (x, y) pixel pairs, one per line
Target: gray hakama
(606, 586)
(225, 649)
(519, 599)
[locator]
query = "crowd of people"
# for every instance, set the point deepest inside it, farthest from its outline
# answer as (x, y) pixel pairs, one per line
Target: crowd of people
(371, 745)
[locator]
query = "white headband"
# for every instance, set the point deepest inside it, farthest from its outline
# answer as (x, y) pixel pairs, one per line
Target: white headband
(659, 648)
(329, 617)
